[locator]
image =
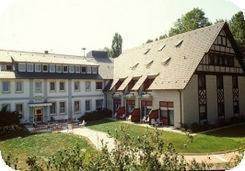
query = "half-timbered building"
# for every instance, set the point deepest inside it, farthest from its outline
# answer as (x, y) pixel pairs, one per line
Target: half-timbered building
(197, 76)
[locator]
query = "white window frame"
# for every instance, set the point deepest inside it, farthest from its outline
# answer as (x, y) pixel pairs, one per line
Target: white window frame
(52, 68)
(90, 105)
(16, 86)
(62, 112)
(67, 69)
(78, 86)
(59, 68)
(77, 69)
(22, 108)
(21, 67)
(47, 68)
(60, 86)
(89, 70)
(37, 90)
(79, 106)
(54, 86)
(94, 70)
(71, 69)
(38, 68)
(87, 83)
(29, 67)
(85, 69)
(8, 83)
(55, 108)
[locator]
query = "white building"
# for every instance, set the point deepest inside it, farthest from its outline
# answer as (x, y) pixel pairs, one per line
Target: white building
(44, 86)
(192, 77)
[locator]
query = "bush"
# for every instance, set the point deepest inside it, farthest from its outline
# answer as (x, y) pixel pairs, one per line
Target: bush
(195, 127)
(96, 115)
(9, 118)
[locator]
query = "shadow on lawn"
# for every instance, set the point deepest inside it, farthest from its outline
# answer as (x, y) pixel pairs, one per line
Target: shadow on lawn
(233, 132)
(98, 122)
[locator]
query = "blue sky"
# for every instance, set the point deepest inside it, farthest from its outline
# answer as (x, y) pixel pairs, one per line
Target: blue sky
(65, 26)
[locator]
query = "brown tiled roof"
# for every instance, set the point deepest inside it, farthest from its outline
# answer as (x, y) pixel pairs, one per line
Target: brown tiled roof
(175, 58)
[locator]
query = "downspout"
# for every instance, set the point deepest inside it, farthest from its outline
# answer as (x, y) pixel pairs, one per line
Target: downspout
(181, 113)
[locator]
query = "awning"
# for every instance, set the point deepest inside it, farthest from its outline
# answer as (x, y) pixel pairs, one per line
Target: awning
(125, 83)
(39, 104)
(139, 83)
(115, 81)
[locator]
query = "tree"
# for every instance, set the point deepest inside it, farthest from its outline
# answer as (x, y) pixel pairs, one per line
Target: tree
(237, 26)
(190, 21)
(109, 51)
(219, 20)
(149, 41)
(163, 36)
(116, 46)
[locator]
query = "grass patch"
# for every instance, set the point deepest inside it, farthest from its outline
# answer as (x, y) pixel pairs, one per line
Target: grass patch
(41, 145)
(222, 140)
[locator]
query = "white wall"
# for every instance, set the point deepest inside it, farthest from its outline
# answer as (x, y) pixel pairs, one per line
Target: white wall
(228, 96)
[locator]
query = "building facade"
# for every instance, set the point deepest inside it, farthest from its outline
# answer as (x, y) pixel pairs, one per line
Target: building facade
(194, 77)
(44, 86)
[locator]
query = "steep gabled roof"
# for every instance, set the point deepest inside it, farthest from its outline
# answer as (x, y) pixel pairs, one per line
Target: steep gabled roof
(175, 58)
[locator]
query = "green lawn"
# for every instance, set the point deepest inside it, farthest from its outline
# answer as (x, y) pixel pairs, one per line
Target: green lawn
(223, 140)
(41, 145)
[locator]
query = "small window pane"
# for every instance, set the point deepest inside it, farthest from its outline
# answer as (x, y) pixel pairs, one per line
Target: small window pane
(52, 86)
(45, 68)
(29, 67)
(62, 86)
(22, 67)
(87, 86)
(19, 86)
(62, 107)
(77, 106)
(37, 67)
(38, 87)
(6, 86)
(87, 105)
(51, 68)
(19, 108)
(52, 108)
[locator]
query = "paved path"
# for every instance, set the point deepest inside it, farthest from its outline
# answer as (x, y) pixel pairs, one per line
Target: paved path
(3, 166)
(96, 137)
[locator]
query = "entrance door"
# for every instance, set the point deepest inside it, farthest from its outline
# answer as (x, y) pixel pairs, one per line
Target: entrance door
(38, 115)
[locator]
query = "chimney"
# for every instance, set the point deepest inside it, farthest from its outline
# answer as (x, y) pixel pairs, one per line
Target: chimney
(46, 51)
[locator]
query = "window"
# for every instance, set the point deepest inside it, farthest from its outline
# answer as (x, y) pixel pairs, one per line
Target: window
(89, 70)
(51, 68)
(65, 69)
(38, 86)
(88, 86)
(22, 67)
(235, 92)
(201, 82)
(94, 70)
(59, 68)
(37, 67)
(52, 86)
(62, 107)
(202, 97)
(71, 69)
(220, 96)
(87, 105)
(19, 108)
(77, 69)
(52, 108)
(76, 86)
(76, 106)
(220, 84)
(62, 86)
(19, 86)
(29, 67)
(84, 69)
(99, 104)
(6, 107)
(99, 85)
(45, 68)
(6, 87)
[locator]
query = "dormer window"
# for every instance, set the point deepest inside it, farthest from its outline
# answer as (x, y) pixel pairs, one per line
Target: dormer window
(71, 69)
(77, 69)
(149, 64)
(161, 48)
(94, 70)
(147, 51)
(89, 70)
(179, 43)
(22, 67)
(45, 68)
(166, 61)
(65, 69)
(38, 68)
(52, 68)
(29, 67)
(84, 69)
(59, 68)
(134, 67)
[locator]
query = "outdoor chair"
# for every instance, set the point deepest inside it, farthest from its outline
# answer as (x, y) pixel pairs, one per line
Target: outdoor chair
(129, 118)
(83, 124)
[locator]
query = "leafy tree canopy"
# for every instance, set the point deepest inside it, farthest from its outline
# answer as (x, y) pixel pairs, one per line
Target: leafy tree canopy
(237, 26)
(116, 46)
(191, 20)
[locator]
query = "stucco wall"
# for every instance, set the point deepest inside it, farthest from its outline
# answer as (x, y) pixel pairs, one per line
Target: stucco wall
(228, 96)
(241, 82)
(190, 102)
(168, 95)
